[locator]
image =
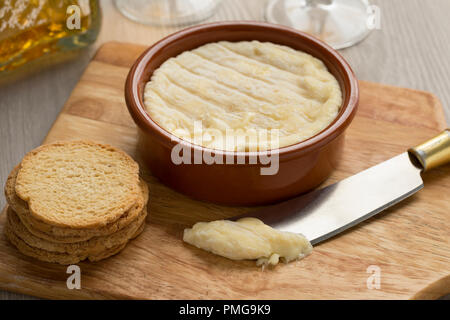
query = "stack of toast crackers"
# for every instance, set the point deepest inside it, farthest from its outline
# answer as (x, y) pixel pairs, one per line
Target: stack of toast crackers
(75, 200)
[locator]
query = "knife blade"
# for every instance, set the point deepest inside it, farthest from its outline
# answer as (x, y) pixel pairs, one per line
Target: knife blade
(326, 212)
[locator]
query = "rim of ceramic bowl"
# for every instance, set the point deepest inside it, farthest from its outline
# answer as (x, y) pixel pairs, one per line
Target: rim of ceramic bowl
(134, 91)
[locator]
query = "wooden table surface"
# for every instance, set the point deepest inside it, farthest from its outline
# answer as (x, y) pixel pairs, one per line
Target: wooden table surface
(410, 50)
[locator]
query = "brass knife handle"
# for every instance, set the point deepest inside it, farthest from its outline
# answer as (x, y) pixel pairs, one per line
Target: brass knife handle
(434, 152)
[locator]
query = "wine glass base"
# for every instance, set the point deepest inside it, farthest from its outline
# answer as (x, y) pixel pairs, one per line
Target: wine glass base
(167, 12)
(339, 23)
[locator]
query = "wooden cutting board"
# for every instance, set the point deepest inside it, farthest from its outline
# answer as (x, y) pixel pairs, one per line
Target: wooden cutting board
(409, 243)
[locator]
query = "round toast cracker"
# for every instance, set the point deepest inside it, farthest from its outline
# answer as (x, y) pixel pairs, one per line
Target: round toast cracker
(115, 250)
(67, 235)
(78, 184)
(62, 258)
(91, 247)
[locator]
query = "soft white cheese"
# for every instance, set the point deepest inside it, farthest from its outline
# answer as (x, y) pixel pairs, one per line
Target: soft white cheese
(243, 88)
(248, 239)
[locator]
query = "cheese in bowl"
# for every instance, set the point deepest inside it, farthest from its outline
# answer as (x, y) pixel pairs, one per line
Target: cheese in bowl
(230, 90)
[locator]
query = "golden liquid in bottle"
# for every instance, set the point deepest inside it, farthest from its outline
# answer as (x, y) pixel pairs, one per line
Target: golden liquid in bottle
(34, 29)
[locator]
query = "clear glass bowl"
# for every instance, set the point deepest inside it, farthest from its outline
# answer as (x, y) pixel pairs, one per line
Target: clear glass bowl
(339, 23)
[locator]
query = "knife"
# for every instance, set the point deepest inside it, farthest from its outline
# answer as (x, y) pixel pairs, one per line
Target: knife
(324, 213)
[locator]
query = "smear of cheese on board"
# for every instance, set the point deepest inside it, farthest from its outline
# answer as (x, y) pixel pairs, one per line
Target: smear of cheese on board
(248, 239)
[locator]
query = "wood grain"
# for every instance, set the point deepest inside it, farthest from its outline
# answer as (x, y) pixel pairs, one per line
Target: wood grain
(409, 242)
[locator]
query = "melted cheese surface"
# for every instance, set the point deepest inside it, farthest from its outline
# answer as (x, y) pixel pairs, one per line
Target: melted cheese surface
(247, 239)
(240, 89)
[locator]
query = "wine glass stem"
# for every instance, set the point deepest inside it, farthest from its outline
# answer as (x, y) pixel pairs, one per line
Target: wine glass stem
(315, 3)
(317, 14)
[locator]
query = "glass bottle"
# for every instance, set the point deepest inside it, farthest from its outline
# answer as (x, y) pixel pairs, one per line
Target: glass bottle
(38, 33)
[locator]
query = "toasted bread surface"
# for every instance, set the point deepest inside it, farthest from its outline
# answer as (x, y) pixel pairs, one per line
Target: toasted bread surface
(78, 184)
(63, 234)
(90, 247)
(55, 257)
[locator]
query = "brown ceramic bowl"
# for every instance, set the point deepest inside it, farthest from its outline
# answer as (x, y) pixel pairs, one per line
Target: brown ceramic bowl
(302, 166)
